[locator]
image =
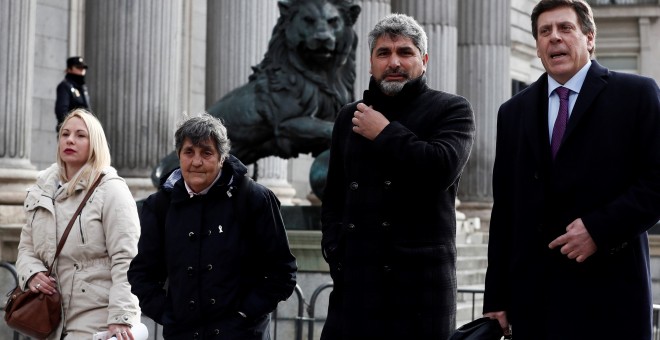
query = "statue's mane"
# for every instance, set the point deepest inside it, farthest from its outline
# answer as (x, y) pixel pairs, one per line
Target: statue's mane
(278, 56)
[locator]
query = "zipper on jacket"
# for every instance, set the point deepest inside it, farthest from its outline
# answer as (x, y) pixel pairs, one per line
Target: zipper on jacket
(82, 236)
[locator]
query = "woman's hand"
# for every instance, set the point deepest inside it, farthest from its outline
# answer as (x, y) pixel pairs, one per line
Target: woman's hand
(40, 283)
(120, 331)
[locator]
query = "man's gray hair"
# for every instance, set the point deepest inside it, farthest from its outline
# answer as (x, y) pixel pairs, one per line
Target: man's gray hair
(201, 128)
(399, 25)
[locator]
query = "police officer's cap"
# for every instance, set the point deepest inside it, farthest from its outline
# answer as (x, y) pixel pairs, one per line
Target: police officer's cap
(75, 61)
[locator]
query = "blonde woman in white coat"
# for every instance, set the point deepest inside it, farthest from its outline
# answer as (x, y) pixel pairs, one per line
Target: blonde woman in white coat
(90, 272)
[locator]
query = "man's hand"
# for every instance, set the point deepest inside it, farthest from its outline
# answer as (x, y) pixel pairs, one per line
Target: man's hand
(576, 243)
(502, 319)
(368, 122)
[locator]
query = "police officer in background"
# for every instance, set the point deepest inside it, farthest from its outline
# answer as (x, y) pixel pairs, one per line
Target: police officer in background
(72, 92)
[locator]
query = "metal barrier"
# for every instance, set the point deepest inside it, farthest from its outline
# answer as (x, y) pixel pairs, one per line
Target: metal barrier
(300, 318)
(474, 293)
(310, 319)
(12, 269)
(310, 308)
(656, 322)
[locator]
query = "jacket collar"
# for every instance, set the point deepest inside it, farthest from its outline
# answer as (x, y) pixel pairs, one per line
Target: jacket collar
(232, 170)
(75, 78)
(374, 96)
(535, 97)
(594, 83)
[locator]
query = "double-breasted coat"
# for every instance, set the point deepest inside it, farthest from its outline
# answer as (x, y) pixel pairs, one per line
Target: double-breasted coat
(91, 269)
(606, 172)
(388, 216)
(203, 259)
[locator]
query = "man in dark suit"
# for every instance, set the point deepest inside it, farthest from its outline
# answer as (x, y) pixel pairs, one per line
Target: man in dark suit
(576, 186)
(72, 92)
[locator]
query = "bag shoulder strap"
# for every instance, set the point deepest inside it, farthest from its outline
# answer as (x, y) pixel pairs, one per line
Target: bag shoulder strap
(60, 245)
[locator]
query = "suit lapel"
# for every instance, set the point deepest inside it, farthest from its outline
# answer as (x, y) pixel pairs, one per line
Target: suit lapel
(593, 84)
(536, 119)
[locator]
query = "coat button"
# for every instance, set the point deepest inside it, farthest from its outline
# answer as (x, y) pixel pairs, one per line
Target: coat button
(353, 186)
(209, 267)
(212, 301)
(191, 304)
(191, 236)
(216, 332)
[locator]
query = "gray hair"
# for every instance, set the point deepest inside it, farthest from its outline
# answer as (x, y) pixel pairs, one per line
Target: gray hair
(201, 128)
(399, 25)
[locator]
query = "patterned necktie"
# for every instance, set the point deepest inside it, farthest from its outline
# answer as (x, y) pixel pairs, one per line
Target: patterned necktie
(560, 122)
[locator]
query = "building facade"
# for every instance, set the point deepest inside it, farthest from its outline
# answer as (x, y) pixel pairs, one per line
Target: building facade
(151, 61)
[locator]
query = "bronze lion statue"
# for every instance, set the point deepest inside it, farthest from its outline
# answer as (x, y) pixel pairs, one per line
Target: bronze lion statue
(291, 100)
(293, 95)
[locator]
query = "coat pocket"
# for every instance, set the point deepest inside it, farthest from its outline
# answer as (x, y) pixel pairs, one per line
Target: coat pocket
(93, 294)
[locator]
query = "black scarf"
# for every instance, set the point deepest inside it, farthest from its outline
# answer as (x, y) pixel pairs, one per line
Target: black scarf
(76, 79)
(382, 102)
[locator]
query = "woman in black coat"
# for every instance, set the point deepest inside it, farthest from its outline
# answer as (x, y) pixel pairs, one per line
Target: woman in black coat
(213, 258)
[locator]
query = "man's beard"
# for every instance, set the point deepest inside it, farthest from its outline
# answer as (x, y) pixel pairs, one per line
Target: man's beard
(392, 88)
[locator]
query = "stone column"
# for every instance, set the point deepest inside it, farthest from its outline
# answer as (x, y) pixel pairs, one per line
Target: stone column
(16, 71)
(438, 17)
(372, 11)
(237, 38)
(646, 39)
(483, 78)
(238, 33)
(134, 52)
(193, 63)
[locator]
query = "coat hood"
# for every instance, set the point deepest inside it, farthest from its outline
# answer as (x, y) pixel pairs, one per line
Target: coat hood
(48, 180)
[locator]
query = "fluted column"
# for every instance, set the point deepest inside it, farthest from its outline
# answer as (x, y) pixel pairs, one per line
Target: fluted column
(237, 38)
(372, 11)
(238, 33)
(133, 49)
(483, 67)
(438, 17)
(17, 38)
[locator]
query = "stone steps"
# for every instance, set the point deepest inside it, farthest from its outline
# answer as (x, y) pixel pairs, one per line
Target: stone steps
(471, 263)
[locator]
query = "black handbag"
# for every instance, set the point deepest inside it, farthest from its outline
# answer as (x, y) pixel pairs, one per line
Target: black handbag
(479, 329)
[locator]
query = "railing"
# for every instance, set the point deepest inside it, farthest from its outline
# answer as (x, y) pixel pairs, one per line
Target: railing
(473, 293)
(656, 322)
(623, 2)
(310, 309)
(12, 270)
